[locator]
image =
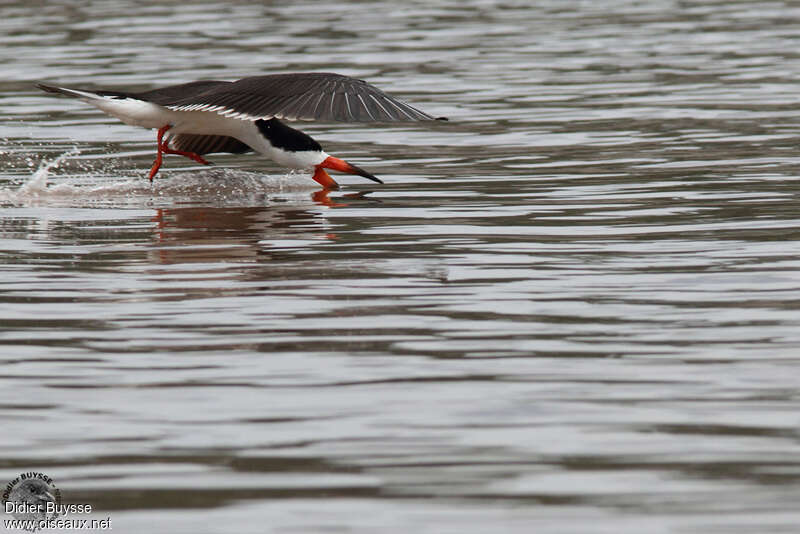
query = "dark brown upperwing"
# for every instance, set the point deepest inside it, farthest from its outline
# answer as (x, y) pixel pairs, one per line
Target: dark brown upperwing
(298, 96)
(165, 95)
(207, 144)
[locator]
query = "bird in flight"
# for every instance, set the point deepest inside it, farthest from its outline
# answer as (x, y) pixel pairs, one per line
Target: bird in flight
(207, 116)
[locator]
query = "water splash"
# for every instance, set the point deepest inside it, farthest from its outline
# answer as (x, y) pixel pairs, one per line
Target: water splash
(216, 186)
(37, 184)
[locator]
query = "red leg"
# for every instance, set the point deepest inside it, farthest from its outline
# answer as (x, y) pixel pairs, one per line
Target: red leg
(157, 162)
(191, 155)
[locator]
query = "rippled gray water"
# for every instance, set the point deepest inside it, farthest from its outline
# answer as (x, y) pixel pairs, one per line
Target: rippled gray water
(573, 308)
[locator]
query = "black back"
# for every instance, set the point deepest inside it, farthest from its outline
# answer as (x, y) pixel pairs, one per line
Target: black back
(287, 138)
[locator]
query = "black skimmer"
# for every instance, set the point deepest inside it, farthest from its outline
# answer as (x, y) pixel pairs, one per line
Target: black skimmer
(208, 116)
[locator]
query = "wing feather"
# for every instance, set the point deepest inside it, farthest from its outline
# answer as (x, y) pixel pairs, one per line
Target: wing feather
(365, 107)
(294, 111)
(207, 144)
(299, 96)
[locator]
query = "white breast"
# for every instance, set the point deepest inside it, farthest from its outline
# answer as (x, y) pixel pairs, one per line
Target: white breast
(247, 132)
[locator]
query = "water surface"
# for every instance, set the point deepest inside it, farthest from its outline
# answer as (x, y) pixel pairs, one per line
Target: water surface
(573, 308)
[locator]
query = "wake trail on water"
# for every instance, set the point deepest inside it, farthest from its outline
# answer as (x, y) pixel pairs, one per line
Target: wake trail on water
(217, 185)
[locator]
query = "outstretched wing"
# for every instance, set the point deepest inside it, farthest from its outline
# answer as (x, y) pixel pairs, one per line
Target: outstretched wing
(298, 96)
(208, 144)
(165, 95)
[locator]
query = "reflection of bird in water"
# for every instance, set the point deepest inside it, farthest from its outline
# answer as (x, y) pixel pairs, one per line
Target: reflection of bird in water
(34, 494)
(208, 116)
(234, 234)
